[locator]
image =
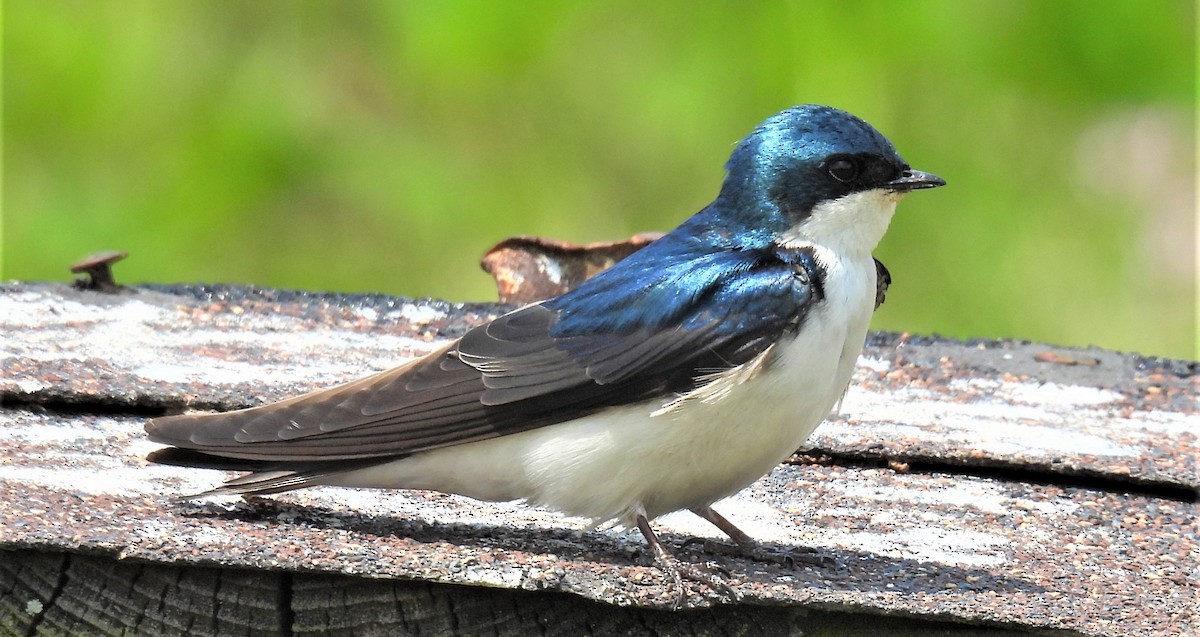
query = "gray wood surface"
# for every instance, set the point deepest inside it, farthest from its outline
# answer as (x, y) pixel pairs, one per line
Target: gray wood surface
(1000, 486)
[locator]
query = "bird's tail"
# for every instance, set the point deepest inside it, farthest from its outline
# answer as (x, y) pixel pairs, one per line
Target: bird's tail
(265, 483)
(265, 478)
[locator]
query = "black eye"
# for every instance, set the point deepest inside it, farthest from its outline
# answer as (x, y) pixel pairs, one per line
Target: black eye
(843, 169)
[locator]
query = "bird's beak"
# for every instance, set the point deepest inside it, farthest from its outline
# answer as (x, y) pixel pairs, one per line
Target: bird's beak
(915, 180)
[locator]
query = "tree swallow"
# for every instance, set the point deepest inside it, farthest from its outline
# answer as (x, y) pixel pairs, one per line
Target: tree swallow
(670, 381)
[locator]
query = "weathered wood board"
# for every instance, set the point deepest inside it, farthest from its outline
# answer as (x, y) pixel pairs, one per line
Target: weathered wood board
(1009, 486)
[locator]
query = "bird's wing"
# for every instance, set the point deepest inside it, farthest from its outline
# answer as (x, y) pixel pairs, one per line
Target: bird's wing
(662, 335)
(883, 280)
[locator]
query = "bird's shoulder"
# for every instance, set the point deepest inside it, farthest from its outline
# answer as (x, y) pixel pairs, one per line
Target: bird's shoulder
(679, 284)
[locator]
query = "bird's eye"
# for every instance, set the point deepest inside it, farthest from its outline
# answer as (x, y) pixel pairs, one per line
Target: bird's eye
(843, 169)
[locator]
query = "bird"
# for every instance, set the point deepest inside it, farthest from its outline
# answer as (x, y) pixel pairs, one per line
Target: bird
(668, 382)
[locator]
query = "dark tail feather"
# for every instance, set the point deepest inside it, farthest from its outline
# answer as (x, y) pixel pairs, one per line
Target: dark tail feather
(266, 477)
(178, 457)
(267, 482)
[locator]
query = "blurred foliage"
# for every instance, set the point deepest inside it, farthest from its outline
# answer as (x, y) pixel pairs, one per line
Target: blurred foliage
(384, 146)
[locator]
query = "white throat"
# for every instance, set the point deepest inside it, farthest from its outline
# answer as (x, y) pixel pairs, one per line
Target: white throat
(850, 226)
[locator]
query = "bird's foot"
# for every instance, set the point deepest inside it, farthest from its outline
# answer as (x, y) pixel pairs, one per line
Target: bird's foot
(790, 558)
(709, 574)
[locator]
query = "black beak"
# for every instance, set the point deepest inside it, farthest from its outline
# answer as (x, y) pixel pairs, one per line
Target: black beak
(915, 180)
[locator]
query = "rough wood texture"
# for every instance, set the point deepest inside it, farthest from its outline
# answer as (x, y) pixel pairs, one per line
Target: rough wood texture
(92, 595)
(998, 485)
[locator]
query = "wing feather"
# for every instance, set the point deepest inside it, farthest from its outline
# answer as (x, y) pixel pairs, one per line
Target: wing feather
(539, 365)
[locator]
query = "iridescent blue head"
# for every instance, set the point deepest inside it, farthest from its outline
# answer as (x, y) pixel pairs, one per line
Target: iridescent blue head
(802, 159)
(811, 181)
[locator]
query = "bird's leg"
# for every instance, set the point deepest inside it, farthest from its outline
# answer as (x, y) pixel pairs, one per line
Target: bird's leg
(747, 547)
(710, 574)
(740, 537)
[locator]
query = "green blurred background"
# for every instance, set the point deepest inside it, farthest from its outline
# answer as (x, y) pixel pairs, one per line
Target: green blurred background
(384, 146)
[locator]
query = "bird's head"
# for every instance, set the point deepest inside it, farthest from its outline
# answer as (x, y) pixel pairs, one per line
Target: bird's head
(815, 174)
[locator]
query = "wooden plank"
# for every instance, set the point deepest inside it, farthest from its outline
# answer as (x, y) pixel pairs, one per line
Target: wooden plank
(182, 600)
(1124, 418)
(1030, 487)
(941, 546)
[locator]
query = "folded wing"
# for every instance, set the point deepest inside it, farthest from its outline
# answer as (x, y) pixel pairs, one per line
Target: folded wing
(618, 339)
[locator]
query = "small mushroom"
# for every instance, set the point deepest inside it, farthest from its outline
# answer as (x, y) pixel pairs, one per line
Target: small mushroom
(98, 268)
(528, 269)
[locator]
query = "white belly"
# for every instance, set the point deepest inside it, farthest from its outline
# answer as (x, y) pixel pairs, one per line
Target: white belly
(615, 464)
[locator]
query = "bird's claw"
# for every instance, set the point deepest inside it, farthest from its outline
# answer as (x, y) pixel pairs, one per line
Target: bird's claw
(789, 558)
(803, 554)
(709, 574)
